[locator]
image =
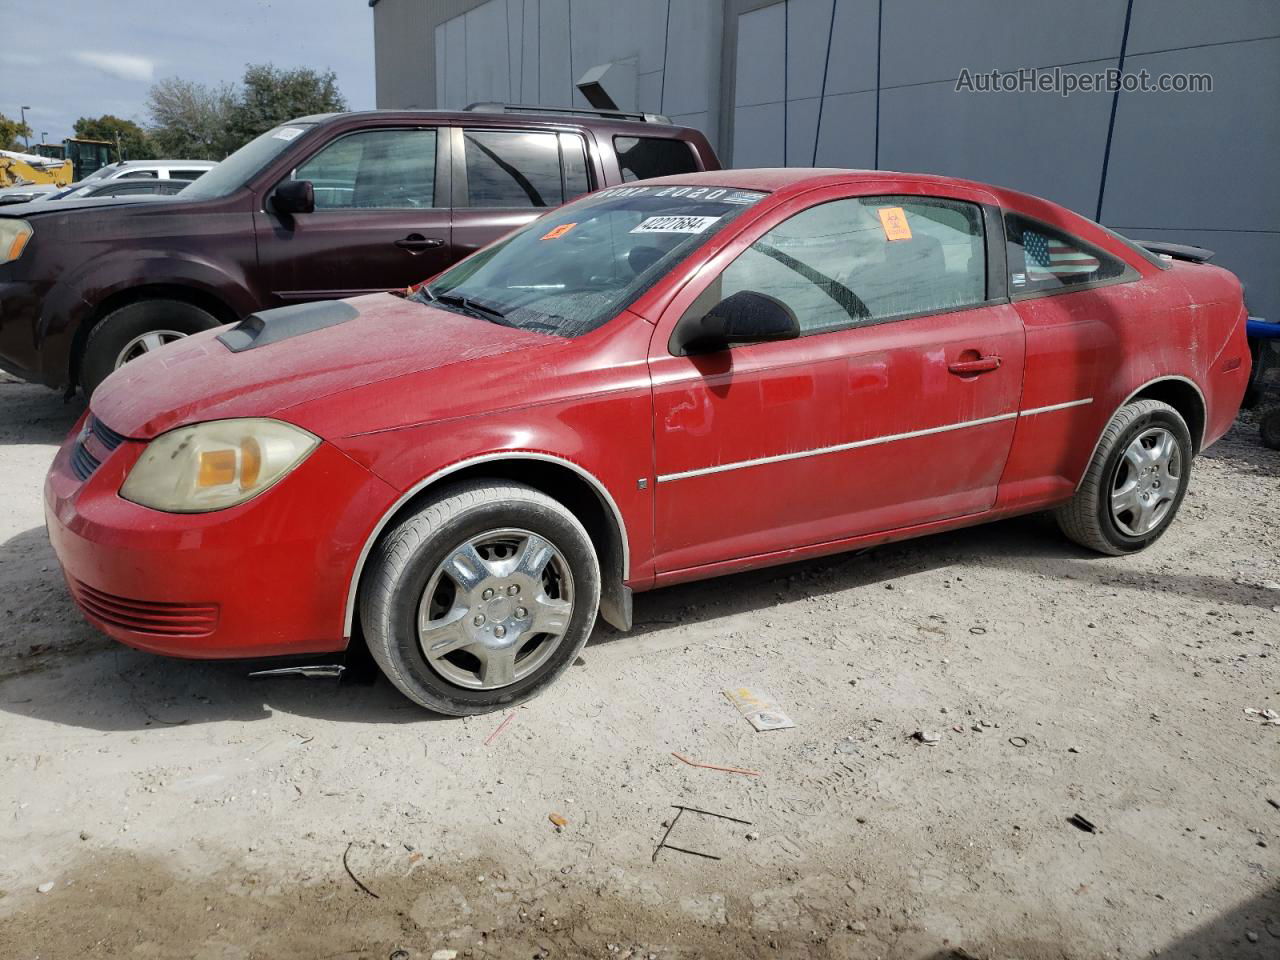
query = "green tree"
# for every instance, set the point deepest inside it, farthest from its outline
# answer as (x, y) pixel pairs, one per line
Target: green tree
(189, 121)
(134, 142)
(12, 133)
(269, 96)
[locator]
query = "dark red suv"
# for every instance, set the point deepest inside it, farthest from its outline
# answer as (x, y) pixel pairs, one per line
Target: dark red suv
(320, 208)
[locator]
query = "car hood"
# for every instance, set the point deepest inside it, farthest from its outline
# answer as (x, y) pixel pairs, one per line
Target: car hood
(34, 208)
(366, 340)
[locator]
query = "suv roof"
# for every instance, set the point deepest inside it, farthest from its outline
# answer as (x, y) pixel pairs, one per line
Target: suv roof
(487, 112)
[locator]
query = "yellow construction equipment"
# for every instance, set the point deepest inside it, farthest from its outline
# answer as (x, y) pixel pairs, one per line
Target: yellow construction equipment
(22, 169)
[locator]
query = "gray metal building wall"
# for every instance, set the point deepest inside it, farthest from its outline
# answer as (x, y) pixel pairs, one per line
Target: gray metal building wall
(871, 83)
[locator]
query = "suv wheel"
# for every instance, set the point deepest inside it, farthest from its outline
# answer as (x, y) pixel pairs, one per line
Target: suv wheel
(1135, 483)
(134, 329)
(482, 599)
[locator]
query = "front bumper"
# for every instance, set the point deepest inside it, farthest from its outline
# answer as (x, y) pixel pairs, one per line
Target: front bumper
(266, 578)
(19, 318)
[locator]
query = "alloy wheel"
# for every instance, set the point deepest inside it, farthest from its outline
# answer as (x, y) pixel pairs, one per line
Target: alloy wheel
(1146, 481)
(495, 609)
(147, 342)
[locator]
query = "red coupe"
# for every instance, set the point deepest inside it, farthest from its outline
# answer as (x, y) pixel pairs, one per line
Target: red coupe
(656, 383)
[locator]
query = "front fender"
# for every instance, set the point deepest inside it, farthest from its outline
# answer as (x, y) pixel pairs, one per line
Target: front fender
(78, 298)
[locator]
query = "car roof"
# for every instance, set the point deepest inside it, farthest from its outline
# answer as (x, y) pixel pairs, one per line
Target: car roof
(774, 179)
(792, 180)
(134, 164)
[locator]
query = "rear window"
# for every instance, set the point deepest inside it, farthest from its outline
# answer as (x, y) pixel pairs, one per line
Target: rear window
(642, 158)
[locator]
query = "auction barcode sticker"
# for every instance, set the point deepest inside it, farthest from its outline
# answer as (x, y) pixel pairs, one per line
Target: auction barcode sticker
(675, 224)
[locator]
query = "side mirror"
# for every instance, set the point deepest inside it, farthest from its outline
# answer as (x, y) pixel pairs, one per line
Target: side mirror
(294, 196)
(744, 317)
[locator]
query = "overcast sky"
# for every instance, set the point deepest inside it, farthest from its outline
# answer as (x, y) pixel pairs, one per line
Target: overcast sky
(74, 58)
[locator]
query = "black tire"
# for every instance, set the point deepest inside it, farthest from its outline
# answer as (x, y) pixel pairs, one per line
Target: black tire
(1256, 387)
(1269, 428)
(405, 559)
(110, 335)
(1087, 518)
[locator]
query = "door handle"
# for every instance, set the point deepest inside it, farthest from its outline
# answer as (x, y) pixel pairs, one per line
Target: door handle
(417, 243)
(980, 365)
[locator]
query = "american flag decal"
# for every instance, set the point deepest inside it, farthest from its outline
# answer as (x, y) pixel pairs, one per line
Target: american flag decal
(1051, 258)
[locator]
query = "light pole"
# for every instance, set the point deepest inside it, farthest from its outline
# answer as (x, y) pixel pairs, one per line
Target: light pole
(43, 134)
(26, 137)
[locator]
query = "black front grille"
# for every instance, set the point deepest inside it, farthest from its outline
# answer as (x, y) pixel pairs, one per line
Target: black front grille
(106, 436)
(83, 463)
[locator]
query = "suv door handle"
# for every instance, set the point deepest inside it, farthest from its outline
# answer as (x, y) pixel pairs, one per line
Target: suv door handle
(980, 365)
(416, 243)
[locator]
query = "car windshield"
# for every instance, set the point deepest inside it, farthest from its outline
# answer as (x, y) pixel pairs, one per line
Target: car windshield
(232, 173)
(101, 172)
(576, 268)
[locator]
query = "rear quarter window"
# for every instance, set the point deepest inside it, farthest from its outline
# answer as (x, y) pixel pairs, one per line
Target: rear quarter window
(642, 158)
(1042, 259)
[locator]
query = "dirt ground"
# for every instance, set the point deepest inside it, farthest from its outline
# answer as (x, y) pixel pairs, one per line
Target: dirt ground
(183, 810)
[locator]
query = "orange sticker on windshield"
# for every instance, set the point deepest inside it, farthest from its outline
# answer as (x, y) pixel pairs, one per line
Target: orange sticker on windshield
(556, 232)
(894, 221)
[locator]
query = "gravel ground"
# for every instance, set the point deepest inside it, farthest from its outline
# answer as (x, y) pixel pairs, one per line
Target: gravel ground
(177, 809)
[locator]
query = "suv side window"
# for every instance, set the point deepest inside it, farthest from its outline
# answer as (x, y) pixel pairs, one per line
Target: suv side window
(374, 170)
(865, 260)
(508, 168)
(179, 174)
(573, 151)
(1042, 259)
(640, 158)
(138, 175)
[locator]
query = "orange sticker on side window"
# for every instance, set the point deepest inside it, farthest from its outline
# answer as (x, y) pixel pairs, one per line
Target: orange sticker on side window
(556, 232)
(894, 221)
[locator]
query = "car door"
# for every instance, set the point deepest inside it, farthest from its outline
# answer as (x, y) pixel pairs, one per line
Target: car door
(894, 408)
(504, 179)
(381, 218)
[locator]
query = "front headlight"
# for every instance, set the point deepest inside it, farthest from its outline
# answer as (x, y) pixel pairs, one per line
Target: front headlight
(214, 465)
(14, 234)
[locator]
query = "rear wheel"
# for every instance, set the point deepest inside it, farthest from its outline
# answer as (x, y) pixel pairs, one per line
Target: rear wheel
(482, 599)
(1269, 428)
(134, 330)
(1135, 482)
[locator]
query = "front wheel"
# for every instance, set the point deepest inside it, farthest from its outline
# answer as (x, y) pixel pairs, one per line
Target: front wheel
(136, 329)
(482, 599)
(1135, 482)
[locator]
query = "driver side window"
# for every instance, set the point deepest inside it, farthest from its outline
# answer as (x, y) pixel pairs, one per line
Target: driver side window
(867, 259)
(374, 170)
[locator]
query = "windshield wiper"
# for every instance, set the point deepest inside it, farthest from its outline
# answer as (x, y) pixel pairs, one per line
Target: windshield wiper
(471, 306)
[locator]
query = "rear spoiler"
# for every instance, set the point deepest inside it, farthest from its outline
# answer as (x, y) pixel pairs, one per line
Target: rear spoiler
(1177, 251)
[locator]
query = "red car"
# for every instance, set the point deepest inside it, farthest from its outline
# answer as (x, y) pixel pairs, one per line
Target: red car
(656, 383)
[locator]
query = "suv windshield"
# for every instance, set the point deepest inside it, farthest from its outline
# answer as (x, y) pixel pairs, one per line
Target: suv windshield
(576, 268)
(232, 173)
